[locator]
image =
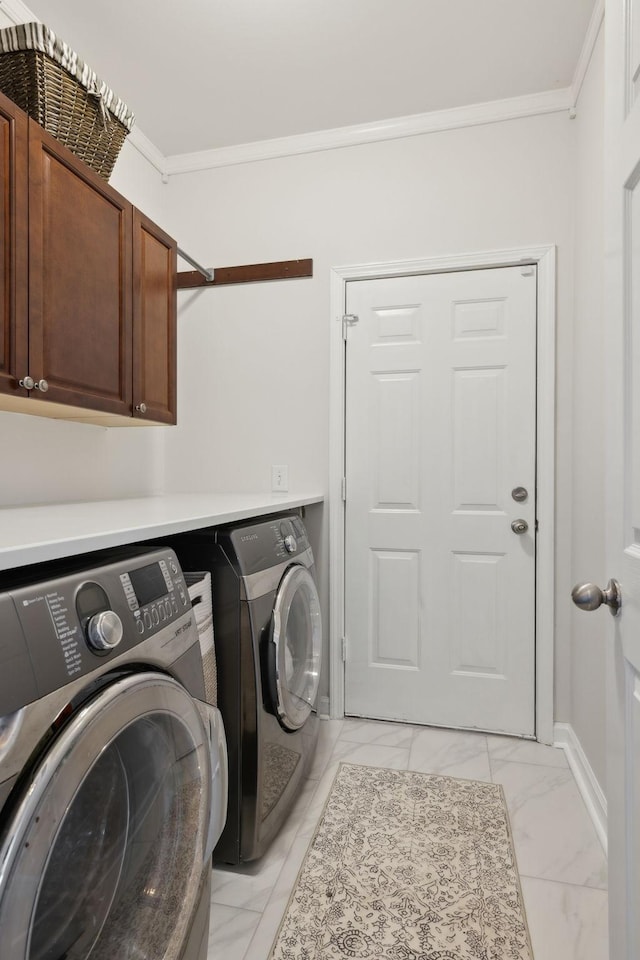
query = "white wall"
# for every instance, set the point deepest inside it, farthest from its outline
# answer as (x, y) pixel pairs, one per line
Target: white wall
(48, 461)
(254, 360)
(589, 632)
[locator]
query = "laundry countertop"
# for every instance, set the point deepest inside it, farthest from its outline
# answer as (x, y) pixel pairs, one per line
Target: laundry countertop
(46, 532)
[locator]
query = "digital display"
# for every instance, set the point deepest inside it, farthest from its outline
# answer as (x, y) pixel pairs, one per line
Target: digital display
(148, 583)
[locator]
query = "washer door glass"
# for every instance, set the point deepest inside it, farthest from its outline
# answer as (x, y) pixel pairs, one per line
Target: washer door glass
(103, 855)
(297, 636)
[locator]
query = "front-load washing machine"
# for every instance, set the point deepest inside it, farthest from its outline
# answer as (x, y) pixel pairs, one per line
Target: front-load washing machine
(112, 766)
(268, 640)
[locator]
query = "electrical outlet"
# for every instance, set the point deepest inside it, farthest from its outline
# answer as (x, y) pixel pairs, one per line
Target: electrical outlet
(279, 477)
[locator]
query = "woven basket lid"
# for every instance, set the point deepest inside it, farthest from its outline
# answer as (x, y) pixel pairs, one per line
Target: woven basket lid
(36, 36)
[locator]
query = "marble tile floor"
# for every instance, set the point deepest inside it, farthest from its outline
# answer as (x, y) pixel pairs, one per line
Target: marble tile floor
(561, 862)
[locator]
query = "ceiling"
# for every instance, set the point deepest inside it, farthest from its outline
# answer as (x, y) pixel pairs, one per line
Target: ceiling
(202, 74)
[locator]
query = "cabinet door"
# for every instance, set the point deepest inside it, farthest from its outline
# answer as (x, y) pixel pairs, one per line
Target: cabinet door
(154, 322)
(79, 285)
(13, 247)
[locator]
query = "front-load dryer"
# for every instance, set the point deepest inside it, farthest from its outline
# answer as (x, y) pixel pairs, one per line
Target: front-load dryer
(112, 766)
(268, 641)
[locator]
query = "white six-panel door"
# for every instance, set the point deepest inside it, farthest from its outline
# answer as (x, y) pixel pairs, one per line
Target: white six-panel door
(440, 429)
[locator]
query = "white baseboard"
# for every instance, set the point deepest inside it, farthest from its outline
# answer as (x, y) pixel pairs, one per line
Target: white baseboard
(592, 793)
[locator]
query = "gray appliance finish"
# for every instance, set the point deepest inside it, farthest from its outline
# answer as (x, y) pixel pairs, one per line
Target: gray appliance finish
(112, 766)
(268, 640)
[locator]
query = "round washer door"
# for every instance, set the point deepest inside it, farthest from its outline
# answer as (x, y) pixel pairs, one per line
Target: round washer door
(103, 854)
(297, 638)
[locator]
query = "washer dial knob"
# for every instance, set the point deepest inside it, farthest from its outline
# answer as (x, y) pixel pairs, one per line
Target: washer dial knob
(104, 630)
(290, 543)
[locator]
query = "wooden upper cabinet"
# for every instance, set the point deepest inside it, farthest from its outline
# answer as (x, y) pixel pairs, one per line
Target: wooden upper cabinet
(88, 284)
(13, 248)
(154, 322)
(80, 304)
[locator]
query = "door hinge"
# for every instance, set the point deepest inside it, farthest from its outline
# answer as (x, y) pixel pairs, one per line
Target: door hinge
(344, 649)
(344, 488)
(348, 320)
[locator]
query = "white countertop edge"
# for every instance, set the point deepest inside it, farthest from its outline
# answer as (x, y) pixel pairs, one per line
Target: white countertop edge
(50, 531)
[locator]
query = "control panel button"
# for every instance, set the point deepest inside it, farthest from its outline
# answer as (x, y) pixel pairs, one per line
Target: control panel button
(167, 607)
(290, 543)
(140, 626)
(155, 618)
(165, 574)
(162, 612)
(183, 597)
(129, 592)
(147, 620)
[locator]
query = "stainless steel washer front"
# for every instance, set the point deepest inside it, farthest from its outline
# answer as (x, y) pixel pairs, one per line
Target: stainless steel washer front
(112, 766)
(268, 636)
(102, 853)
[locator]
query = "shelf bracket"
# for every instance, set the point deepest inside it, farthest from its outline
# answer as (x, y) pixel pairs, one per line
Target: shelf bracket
(248, 273)
(206, 273)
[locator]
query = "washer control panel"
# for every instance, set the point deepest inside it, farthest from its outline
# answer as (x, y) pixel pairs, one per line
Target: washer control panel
(155, 594)
(80, 616)
(289, 535)
(263, 544)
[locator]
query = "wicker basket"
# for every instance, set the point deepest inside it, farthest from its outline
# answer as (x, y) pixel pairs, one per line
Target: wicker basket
(53, 86)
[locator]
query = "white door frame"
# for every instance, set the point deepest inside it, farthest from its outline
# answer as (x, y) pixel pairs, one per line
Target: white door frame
(545, 259)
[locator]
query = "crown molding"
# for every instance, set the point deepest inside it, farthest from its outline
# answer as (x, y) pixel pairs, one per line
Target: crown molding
(148, 150)
(17, 12)
(495, 111)
(590, 40)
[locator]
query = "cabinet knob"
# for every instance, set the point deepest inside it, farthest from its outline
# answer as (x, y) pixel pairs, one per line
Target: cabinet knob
(28, 383)
(141, 407)
(42, 385)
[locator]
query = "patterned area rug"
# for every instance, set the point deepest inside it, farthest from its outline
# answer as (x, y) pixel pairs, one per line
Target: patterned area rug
(407, 866)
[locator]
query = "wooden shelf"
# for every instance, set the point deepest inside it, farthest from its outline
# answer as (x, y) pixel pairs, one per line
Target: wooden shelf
(248, 273)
